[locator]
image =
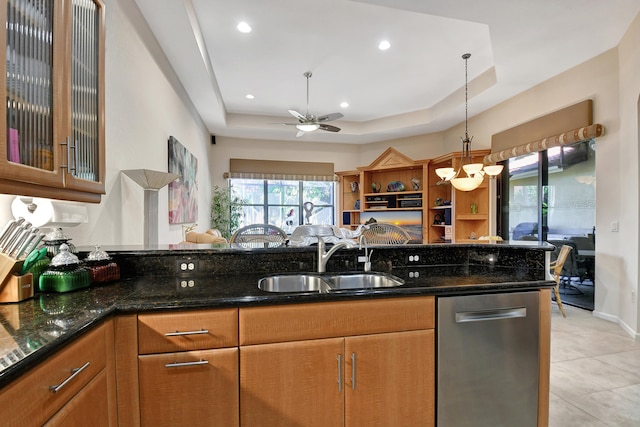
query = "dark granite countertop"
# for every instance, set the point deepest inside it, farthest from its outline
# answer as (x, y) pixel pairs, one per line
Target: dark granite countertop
(31, 330)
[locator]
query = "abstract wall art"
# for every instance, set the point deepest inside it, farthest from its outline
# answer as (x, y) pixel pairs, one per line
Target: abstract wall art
(183, 192)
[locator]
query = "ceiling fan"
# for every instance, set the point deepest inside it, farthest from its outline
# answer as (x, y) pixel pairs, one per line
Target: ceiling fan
(308, 122)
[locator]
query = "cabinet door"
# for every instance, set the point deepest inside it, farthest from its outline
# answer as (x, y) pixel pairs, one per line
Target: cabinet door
(53, 84)
(89, 407)
(390, 379)
(194, 388)
(84, 117)
(292, 384)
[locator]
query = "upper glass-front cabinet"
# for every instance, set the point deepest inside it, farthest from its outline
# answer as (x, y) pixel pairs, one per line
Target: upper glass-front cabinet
(53, 132)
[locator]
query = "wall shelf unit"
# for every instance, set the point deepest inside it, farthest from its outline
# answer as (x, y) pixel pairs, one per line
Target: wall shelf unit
(466, 226)
(446, 214)
(391, 183)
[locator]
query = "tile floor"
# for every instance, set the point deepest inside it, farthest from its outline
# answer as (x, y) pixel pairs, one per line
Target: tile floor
(595, 372)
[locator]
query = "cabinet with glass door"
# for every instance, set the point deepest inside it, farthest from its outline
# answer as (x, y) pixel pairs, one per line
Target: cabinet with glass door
(53, 136)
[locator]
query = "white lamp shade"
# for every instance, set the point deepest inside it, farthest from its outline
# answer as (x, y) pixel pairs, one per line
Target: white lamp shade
(445, 173)
(310, 127)
(467, 184)
(493, 170)
(472, 168)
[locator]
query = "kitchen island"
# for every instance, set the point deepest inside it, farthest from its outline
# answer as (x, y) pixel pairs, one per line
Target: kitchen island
(225, 278)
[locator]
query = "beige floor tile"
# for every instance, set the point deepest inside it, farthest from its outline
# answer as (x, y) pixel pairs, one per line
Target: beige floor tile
(612, 408)
(628, 360)
(631, 393)
(595, 372)
(564, 414)
(599, 372)
(565, 383)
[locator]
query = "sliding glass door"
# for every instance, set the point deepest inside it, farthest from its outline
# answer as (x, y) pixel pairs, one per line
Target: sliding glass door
(550, 195)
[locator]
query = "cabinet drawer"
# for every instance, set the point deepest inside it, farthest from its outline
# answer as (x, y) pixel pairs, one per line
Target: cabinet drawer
(89, 407)
(187, 330)
(31, 397)
(191, 388)
(260, 325)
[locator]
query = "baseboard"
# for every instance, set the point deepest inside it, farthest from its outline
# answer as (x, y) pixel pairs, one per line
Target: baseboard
(615, 319)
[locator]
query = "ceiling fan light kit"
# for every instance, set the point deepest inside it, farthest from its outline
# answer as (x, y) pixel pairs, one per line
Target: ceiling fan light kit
(310, 123)
(473, 172)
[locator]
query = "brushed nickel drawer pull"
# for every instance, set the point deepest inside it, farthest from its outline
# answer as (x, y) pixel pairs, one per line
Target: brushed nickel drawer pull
(181, 364)
(353, 371)
(339, 373)
(74, 373)
(180, 334)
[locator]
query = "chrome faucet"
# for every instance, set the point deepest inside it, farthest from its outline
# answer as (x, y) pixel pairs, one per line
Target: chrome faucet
(323, 256)
(362, 241)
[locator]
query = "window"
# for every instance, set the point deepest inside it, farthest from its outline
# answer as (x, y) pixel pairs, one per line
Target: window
(282, 202)
(555, 188)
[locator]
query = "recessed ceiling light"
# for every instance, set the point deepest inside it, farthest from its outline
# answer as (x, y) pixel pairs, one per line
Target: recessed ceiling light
(243, 27)
(384, 45)
(344, 104)
(249, 96)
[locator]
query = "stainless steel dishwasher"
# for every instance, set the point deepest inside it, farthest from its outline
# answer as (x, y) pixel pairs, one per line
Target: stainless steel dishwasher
(487, 365)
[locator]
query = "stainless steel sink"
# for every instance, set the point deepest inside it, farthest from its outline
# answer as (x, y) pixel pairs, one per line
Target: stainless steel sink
(293, 283)
(364, 281)
(327, 283)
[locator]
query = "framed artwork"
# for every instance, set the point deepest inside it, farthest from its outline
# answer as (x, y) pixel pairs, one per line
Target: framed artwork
(411, 221)
(183, 192)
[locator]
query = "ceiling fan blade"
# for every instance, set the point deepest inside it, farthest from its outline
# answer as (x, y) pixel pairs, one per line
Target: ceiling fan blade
(329, 128)
(329, 117)
(297, 115)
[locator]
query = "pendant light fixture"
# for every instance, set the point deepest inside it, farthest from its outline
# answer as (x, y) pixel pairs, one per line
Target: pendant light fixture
(469, 175)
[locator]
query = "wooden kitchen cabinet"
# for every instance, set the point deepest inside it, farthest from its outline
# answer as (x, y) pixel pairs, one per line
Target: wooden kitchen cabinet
(188, 368)
(389, 379)
(83, 376)
(193, 388)
(292, 384)
(52, 134)
(341, 363)
(85, 408)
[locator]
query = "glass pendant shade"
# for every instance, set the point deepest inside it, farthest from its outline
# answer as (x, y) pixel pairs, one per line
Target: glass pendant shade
(467, 184)
(493, 170)
(445, 173)
(308, 127)
(473, 168)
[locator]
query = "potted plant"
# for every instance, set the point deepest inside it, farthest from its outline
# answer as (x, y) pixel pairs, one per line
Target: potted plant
(226, 210)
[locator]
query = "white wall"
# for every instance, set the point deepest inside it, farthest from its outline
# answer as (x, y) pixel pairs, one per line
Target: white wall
(627, 175)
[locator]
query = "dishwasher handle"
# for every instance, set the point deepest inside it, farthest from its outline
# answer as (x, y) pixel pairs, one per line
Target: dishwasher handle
(491, 314)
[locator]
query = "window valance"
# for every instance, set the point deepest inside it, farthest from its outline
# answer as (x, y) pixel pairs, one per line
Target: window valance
(280, 169)
(567, 126)
(565, 138)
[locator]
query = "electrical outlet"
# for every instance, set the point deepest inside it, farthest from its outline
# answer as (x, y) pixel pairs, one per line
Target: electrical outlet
(186, 266)
(414, 258)
(186, 283)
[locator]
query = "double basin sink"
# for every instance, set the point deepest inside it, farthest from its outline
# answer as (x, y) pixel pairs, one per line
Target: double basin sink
(327, 282)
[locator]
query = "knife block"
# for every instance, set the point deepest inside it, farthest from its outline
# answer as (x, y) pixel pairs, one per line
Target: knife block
(8, 266)
(14, 287)
(17, 288)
